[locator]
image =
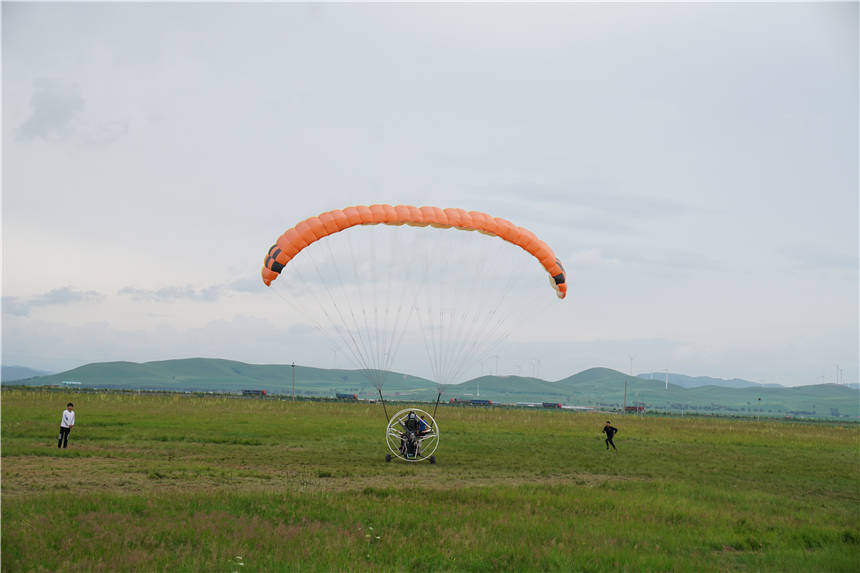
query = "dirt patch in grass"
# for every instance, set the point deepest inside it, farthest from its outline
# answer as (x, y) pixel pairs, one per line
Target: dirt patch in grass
(28, 475)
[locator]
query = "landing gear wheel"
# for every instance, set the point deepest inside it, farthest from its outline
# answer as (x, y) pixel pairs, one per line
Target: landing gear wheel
(387, 457)
(421, 446)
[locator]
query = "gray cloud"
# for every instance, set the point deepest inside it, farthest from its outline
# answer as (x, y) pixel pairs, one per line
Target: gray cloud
(811, 256)
(66, 295)
(55, 106)
(595, 195)
(174, 293)
(57, 113)
(64, 346)
(20, 306)
(250, 284)
(15, 306)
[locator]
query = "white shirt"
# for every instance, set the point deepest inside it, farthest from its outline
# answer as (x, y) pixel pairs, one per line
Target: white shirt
(68, 419)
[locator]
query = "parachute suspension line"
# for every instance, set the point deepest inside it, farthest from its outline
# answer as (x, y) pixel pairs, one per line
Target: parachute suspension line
(314, 321)
(360, 325)
(368, 326)
(472, 326)
(448, 319)
(375, 286)
(486, 332)
(504, 325)
(391, 334)
(398, 330)
(372, 322)
(425, 254)
(347, 338)
(361, 322)
(337, 325)
(384, 409)
(380, 292)
(348, 327)
(379, 335)
(479, 326)
(342, 289)
(386, 333)
(455, 333)
(434, 327)
(428, 329)
(430, 310)
(448, 293)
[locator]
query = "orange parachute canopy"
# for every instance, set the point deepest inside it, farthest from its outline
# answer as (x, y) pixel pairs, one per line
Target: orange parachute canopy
(315, 228)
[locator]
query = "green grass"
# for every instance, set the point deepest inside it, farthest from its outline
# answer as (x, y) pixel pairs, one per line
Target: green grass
(185, 483)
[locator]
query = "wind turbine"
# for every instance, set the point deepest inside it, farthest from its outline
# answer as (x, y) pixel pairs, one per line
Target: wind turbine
(625, 380)
(535, 362)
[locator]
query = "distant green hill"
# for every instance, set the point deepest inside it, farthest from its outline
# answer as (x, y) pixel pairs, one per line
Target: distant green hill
(596, 387)
(14, 373)
(695, 381)
(605, 388)
(218, 375)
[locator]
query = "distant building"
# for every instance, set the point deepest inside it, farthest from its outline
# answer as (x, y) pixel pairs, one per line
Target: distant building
(341, 396)
(551, 405)
(253, 392)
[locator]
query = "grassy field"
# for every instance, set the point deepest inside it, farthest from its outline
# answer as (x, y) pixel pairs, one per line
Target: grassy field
(183, 483)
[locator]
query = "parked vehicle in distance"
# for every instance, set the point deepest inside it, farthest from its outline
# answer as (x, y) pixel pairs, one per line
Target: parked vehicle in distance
(470, 402)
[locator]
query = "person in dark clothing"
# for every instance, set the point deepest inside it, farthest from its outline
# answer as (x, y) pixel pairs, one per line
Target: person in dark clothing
(610, 431)
(409, 435)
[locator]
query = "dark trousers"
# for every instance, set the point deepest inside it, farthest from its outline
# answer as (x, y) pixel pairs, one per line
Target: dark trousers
(609, 442)
(64, 437)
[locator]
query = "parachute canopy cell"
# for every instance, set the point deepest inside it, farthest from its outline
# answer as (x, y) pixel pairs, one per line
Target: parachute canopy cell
(313, 229)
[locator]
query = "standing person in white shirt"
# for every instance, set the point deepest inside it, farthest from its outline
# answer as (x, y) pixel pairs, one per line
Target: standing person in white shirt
(66, 425)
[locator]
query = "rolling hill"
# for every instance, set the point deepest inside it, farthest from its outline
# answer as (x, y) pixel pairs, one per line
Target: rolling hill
(218, 375)
(696, 381)
(14, 373)
(596, 387)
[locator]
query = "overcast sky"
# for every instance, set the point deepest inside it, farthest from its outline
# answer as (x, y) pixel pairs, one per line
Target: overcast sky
(694, 166)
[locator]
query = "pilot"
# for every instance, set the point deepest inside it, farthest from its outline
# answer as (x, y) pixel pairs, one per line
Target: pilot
(412, 423)
(411, 433)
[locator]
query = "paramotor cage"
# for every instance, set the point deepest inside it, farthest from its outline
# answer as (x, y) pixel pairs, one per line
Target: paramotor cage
(412, 435)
